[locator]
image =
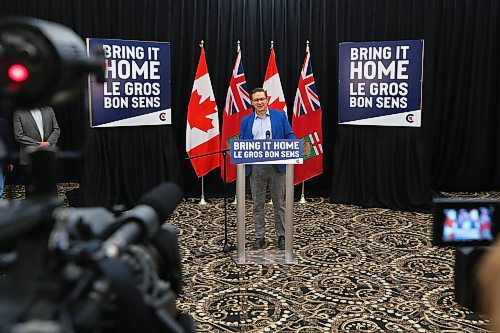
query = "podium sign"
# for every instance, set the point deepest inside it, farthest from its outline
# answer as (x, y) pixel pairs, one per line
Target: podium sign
(266, 152)
(243, 152)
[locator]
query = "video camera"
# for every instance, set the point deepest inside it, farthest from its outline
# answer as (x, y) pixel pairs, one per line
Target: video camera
(43, 63)
(78, 269)
(87, 270)
(469, 226)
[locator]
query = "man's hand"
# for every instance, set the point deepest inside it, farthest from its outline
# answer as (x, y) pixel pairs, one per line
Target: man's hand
(43, 144)
(10, 167)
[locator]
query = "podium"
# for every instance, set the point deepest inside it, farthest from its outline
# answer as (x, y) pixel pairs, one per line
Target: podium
(287, 152)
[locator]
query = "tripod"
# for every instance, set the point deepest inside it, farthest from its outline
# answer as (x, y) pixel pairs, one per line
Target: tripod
(226, 248)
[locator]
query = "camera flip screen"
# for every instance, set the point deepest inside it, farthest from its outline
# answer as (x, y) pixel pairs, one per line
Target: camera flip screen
(470, 222)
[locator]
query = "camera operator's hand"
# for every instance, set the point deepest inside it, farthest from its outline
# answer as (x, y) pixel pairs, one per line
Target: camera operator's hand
(488, 277)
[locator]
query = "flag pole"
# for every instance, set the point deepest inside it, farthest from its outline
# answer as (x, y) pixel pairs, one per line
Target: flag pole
(202, 199)
(302, 197)
(271, 199)
(235, 202)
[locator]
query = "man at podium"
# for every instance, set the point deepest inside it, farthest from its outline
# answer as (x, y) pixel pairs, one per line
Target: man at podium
(263, 124)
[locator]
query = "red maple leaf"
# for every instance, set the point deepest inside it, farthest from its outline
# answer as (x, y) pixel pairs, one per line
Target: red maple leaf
(277, 105)
(197, 113)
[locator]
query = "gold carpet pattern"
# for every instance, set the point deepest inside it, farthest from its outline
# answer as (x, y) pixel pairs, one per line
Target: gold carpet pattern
(358, 270)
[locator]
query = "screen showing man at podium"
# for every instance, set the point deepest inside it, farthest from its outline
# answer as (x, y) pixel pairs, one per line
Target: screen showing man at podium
(263, 124)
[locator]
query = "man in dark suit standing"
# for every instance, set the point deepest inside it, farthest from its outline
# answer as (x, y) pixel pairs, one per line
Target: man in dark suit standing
(34, 129)
(266, 123)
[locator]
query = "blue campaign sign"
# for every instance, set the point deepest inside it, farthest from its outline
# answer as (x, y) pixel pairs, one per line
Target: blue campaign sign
(266, 151)
(380, 83)
(138, 87)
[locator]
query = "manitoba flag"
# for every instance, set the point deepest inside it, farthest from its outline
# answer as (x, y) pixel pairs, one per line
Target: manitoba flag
(202, 130)
(272, 84)
(306, 124)
(237, 106)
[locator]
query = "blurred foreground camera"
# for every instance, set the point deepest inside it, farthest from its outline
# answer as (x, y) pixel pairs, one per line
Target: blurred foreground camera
(469, 226)
(87, 270)
(42, 63)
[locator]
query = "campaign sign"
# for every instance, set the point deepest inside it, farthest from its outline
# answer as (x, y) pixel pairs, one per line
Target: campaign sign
(137, 91)
(266, 152)
(380, 83)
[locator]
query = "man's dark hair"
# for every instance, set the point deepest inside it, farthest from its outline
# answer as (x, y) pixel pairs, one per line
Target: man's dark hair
(256, 90)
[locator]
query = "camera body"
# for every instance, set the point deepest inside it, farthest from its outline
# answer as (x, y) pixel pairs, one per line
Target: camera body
(469, 226)
(43, 63)
(87, 269)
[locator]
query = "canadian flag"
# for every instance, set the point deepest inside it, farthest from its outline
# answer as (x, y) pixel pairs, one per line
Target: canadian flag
(272, 84)
(202, 130)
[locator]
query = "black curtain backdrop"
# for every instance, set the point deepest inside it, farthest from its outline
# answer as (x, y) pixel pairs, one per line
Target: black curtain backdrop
(456, 149)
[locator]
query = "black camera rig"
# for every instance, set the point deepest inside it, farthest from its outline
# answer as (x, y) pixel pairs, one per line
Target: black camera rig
(87, 270)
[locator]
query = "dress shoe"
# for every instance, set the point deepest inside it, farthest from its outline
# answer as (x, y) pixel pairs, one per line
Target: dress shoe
(259, 243)
(281, 242)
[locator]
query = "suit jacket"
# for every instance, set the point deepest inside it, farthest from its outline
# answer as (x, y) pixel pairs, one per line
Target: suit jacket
(27, 134)
(280, 128)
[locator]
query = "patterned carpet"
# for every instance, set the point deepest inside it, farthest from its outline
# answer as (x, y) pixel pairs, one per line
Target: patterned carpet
(358, 270)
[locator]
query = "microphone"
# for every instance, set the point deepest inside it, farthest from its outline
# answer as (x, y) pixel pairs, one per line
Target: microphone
(143, 221)
(268, 135)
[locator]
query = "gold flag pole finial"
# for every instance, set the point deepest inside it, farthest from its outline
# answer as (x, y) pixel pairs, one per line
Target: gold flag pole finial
(307, 42)
(272, 44)
(239, 46)
(202, 43)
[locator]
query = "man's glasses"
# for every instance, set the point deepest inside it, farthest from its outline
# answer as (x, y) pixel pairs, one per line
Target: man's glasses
(259, 99)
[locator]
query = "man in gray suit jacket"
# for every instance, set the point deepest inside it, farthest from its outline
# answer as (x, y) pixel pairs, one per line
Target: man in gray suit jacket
(35, 128)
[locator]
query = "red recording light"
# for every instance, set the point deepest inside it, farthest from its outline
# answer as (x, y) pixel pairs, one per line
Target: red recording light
(18, 73)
